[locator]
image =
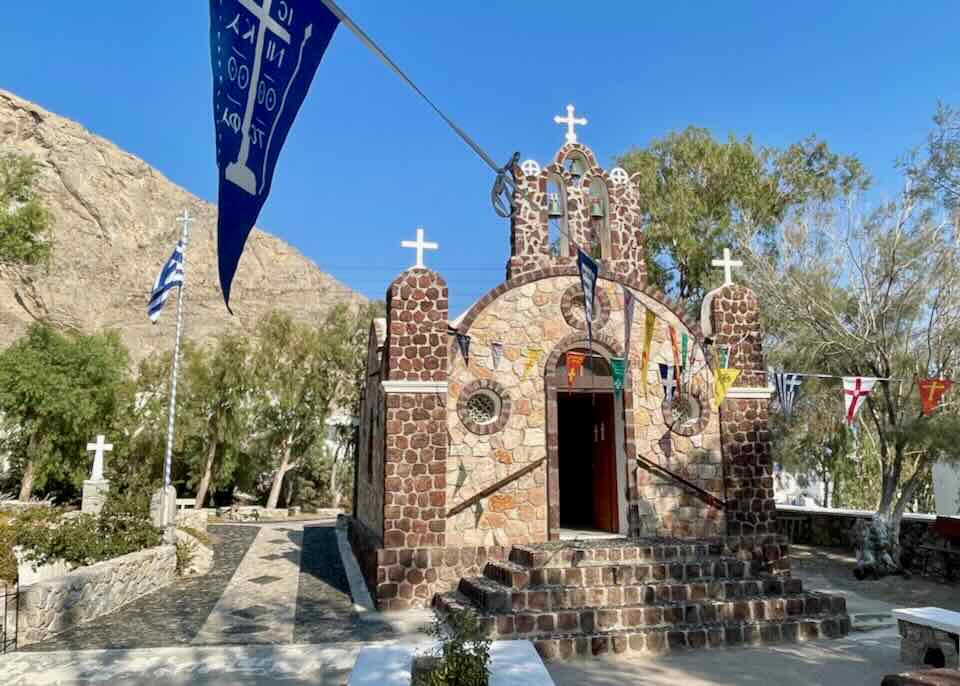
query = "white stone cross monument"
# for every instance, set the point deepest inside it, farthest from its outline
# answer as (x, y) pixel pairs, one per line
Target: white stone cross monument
(95, 488)
(420, 246)
(727, 263)
(571, 121)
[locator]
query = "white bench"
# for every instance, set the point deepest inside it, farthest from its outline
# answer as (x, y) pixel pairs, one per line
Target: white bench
(926, 631)
(185, 503)
(512, 663)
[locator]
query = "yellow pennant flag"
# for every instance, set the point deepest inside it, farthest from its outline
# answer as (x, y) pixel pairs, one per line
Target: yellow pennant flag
(722, 382)
(533, 356)
(649, 320)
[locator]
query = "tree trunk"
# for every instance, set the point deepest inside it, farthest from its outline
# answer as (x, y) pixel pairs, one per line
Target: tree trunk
(26, 483)
(334, 485)
(207, 476)
(278, 477)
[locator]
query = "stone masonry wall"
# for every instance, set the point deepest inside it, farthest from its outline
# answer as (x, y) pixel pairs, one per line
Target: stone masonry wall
(531, 315)
(50, 607)
(368, 503)
(415, 431)
(744, 422)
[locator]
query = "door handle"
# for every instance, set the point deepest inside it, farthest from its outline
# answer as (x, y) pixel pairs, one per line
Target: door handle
(602, 424)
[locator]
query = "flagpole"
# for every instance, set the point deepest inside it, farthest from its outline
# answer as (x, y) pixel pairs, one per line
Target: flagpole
(184, 220)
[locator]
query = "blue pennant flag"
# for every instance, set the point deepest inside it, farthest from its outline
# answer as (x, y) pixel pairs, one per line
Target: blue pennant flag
(170, 277)
(264, 54)
(588, 280)
(668, 379)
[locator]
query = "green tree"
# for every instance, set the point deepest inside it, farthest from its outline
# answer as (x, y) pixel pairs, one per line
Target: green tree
(699, 195)
(301, 372)
(24, 223)
(215, 410)
(55, 393)
(935, 169)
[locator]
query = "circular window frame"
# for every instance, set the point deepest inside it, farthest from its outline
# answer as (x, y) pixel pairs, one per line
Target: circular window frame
(491, 389)
(691, 426)
(572, 308)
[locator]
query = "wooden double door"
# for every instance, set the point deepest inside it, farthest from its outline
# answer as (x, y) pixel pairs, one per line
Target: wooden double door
(588, 461)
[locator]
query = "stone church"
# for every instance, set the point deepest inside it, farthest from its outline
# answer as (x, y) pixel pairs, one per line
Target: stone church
(484, 463)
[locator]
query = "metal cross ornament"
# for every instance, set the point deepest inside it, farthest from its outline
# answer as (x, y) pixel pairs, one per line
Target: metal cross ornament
(420, 245)
(99, 448)
(727, 263)
(571, 121)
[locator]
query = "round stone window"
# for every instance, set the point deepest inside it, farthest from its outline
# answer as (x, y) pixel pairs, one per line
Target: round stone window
(484, 406)
(688, 414)
(571, 306)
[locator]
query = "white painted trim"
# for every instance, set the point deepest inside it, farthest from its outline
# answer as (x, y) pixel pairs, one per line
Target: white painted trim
(744, 393)
(362, 602)
(936, 617)
(414, 386)
(841, 512)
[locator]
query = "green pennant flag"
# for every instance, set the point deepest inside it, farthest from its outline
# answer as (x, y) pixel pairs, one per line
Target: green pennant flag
(618, 366)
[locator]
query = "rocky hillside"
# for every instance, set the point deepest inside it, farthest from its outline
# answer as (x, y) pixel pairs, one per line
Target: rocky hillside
(113, 226)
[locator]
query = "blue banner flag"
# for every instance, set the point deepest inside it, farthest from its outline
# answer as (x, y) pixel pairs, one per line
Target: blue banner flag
(264, 54)
(588, 281)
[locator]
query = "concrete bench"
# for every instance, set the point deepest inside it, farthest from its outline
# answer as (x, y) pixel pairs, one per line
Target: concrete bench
(928, 636)
(185, 503)
(512, 663)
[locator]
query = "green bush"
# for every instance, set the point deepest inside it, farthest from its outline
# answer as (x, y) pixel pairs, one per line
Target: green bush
(8, 561)
(201, 536)
(123, 526)
(464, 653)
(185, 552)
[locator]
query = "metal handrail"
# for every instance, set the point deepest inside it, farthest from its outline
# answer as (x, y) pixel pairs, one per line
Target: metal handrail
(710, 498)
(490, 490)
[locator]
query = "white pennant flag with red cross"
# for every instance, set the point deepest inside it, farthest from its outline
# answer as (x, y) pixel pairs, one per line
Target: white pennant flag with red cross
(855, 391)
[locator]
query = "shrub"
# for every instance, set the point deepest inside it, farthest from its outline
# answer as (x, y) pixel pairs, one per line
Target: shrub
(185, 552)
(201, 536)
(463, 655)
(8, 561)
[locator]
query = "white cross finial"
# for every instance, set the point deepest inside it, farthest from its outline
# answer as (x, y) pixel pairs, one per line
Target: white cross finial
(571, 121)
(727, 265)
(100, 447)
(420, 246)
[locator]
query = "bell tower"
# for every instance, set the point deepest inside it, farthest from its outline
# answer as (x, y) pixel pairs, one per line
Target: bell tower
(573, 203)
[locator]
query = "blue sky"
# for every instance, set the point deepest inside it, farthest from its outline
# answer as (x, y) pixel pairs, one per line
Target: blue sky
(367, 161)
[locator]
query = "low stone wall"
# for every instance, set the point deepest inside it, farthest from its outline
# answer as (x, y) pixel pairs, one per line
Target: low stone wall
(52, 606)
(832, 527)
(401, 578)
(195, 519)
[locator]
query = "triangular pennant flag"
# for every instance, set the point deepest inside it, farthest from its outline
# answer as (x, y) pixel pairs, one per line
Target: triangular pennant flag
(668, 379)
(588, 280)
(724, 351)
(629, 302)
(855, 391)
(723, 380)
(931, 391)
(496, 353)
(618, 368)
(463, 342)
(684, 342)
(574, 364)
(788, 385)
(649, 321)
(533, 355)
(263, 62)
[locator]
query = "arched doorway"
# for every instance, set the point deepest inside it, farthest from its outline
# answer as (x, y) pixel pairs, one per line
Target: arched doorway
(586, 447)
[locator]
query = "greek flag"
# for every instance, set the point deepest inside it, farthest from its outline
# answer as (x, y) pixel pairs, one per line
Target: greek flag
(788, 386)
(169, 277)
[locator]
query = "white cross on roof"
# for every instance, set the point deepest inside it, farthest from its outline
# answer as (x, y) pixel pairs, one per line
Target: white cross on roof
(727, 263)
(420, 246)
(571, 121)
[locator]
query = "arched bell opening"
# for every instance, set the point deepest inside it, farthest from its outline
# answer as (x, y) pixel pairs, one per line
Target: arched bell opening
(598, 224)
(557, 224)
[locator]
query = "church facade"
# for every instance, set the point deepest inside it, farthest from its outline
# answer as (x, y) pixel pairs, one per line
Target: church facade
(463, 456)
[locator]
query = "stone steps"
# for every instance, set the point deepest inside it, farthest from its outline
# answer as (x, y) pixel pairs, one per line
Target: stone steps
(492, 596)
(556, 636)
(519, 577)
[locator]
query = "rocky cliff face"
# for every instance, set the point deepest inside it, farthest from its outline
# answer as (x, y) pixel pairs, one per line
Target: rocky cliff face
(113, 225)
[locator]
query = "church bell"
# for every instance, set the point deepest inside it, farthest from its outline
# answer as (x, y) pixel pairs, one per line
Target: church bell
(553, 205)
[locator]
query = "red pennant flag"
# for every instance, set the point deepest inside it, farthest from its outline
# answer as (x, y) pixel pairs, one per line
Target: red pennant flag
(931, 391)
(574, 363)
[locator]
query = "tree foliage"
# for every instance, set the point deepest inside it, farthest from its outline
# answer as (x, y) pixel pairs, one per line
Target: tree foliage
(699, 195)
(24, 223)
(56, 392)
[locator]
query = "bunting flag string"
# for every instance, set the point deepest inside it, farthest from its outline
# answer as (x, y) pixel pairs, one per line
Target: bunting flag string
(931, 392)
(533, 356)
(574, 363)
(788, 385)
(855, 391)
(496, 353)
(629, 302)
(618, 368)
(649, 321)
(723, 380)
(463, 341)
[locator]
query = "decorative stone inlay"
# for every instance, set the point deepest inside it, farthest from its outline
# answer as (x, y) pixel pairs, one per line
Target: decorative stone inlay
(687, 415)
(573, 311)
(484, 407)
